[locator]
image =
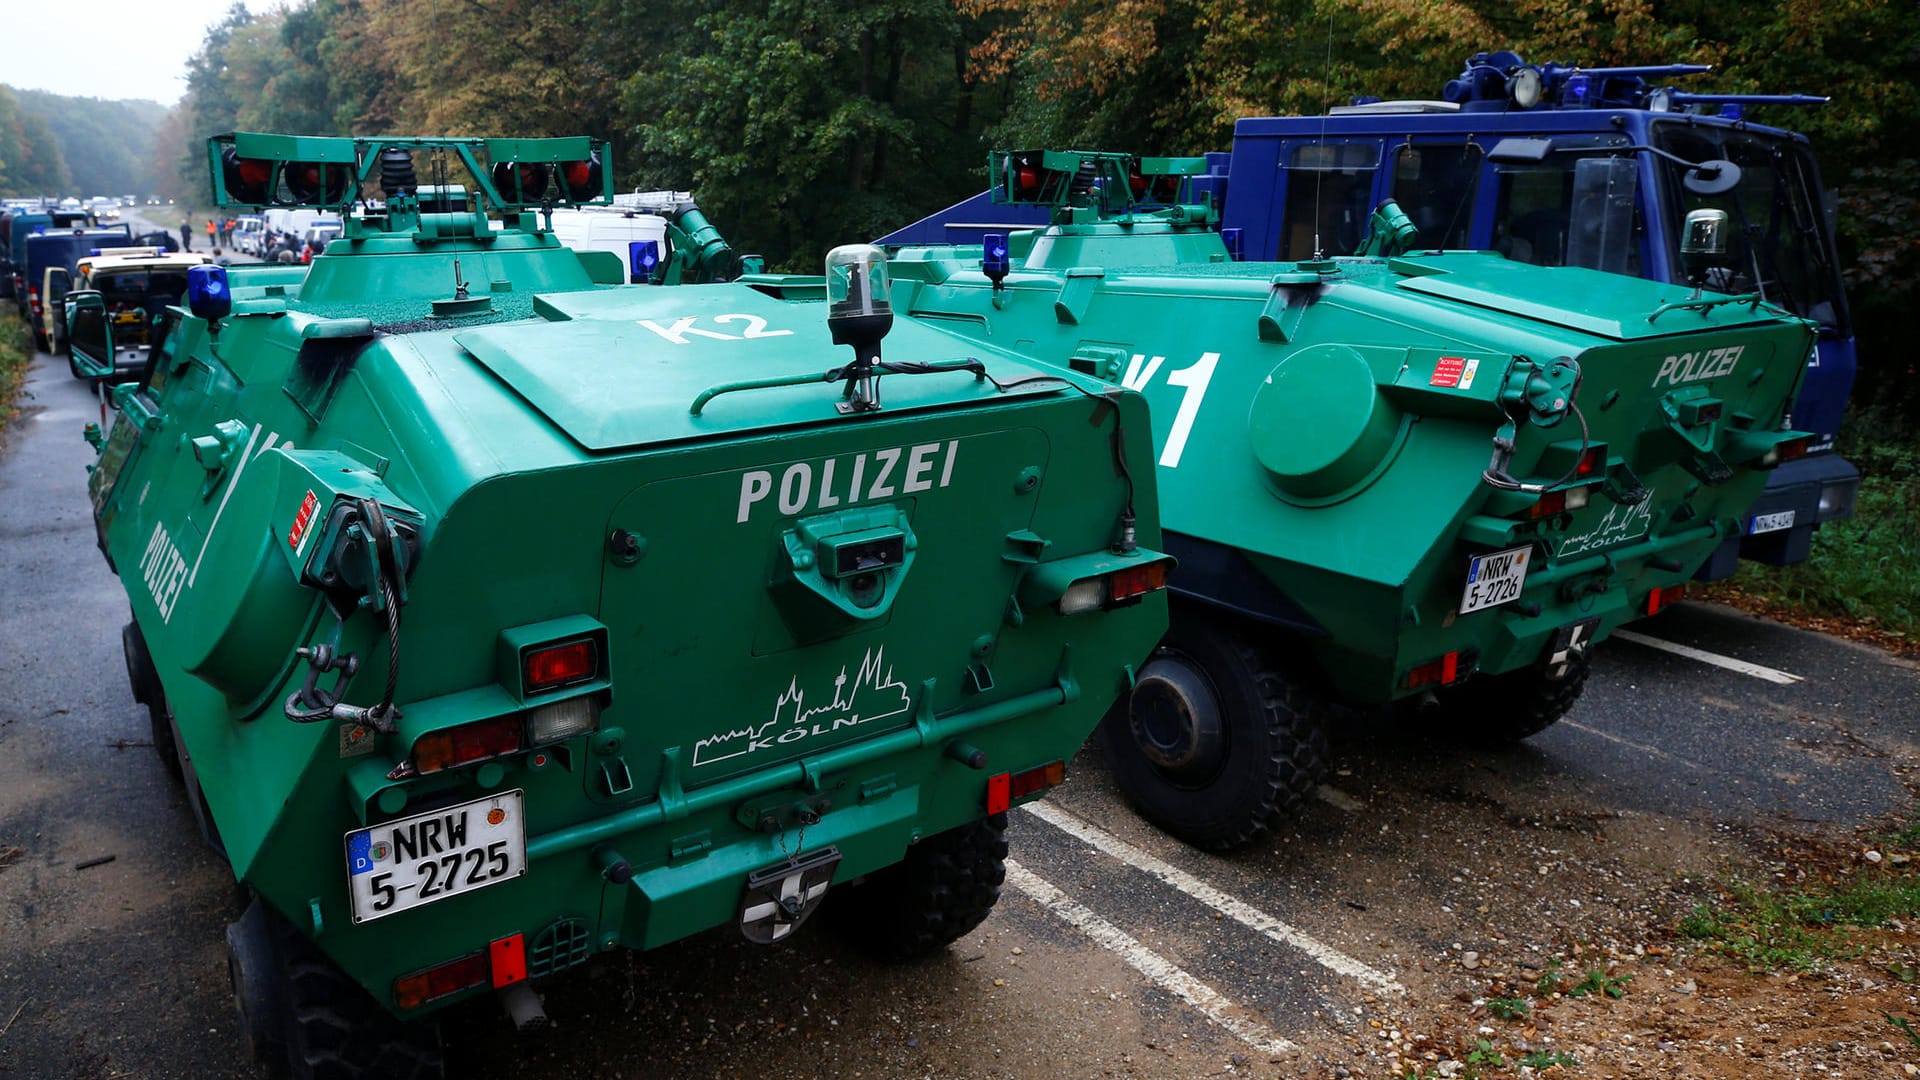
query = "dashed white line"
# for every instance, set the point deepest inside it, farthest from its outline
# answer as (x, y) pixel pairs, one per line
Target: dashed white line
(1164, 972)
(1757, 671)
(1231, 906)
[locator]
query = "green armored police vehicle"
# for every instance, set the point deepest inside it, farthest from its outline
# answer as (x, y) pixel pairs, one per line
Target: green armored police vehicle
(496, 617)
(1436, 477)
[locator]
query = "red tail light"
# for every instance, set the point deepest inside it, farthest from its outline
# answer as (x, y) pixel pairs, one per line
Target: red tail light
(1667, 597)
(1550, 504)
(1003, 789)
(1435, 672)
(1136, 581)
(467, 743)
(560, 665)
(1794, 449)
(1591, 461)
(441, 980)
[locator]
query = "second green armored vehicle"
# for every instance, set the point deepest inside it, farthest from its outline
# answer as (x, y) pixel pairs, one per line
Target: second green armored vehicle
(1437, 477)
(496, 617)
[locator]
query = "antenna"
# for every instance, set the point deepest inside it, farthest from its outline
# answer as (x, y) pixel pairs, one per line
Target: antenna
(1320, 175)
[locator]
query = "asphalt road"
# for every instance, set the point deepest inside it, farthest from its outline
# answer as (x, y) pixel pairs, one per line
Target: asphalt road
(1114, 951)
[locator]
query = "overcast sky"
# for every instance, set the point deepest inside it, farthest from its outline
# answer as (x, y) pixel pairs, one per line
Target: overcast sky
(108, 48)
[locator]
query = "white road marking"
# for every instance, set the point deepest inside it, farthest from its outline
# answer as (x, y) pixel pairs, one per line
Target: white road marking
(1642, 747)
(1164, 972)
(1771, 675)
(1231, 906)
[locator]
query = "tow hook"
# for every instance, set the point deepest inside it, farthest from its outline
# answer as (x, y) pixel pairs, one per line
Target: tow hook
(524, 1008)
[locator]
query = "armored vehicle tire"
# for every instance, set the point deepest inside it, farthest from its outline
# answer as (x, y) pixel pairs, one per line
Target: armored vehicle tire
(307, 1020)
(257, 989)
(145, 683)
(1500, 710)
(946, 886)
(1216, 745)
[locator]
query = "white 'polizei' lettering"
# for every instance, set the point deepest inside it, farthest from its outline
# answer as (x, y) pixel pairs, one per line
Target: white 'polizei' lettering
(868, 477)
(1698, 366)
(164, 570)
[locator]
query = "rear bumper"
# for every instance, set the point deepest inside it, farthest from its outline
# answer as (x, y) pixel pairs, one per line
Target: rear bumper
(677, 864)
(1815, 490)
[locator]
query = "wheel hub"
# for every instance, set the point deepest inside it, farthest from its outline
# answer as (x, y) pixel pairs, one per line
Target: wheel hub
(1176, 720)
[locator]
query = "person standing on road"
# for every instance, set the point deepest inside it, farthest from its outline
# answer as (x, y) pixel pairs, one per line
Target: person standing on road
(213, 235)
(186, 235)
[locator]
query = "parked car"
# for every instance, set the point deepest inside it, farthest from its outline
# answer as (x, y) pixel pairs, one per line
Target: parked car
(315, 239)
(248, 233)
(136, 284)
(60, 249)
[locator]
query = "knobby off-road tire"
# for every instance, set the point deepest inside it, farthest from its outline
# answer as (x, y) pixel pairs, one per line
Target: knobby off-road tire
(1500, 710)
(336, 1031)
(1217, 745)
(144, 680)
(944, 888)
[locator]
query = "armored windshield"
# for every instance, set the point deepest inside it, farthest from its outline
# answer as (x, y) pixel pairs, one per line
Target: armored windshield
(1578, 207)
(1780, 245)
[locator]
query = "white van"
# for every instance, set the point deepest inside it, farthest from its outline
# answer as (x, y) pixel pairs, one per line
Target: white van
(609, 228)
(290, 221)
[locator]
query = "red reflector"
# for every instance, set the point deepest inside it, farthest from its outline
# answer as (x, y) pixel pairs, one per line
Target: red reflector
(1435, 672)
(448, 747)
(999, 795)
(558, 665)
(1794, 449)
(415, 990)
(1550, 504)
(1590, 461)
(1667, 597)
(509, 956)
(1136, 581)
(1022, 784)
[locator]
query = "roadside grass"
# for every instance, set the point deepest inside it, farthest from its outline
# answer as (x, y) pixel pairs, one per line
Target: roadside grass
(1801, 928)
(1866, 569)
(16, 352)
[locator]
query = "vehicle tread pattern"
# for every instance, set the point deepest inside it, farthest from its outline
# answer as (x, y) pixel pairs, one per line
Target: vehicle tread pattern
(335, 1031)
(944, 888)
(1500, 710)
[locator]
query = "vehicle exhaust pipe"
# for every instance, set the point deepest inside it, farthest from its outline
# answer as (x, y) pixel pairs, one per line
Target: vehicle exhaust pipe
(524, 1008)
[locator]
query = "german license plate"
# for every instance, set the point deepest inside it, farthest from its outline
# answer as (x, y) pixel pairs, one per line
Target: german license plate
(1766, 523)
(1494, 579)
(403, 864)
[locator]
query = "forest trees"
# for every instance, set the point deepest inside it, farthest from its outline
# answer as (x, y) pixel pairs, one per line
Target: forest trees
(801, 125)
